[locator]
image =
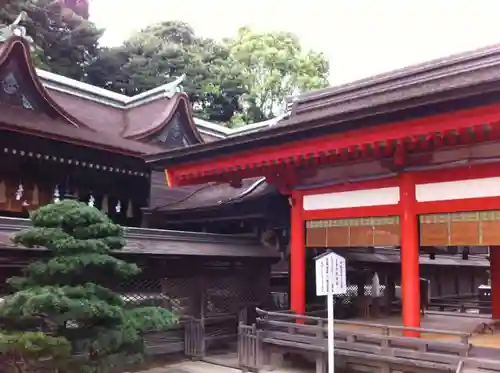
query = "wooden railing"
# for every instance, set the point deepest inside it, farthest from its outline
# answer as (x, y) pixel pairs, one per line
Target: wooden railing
(480, 365)
(380, 328)
(165, 342)
(462, 307)
(356, 341)
(460, 304)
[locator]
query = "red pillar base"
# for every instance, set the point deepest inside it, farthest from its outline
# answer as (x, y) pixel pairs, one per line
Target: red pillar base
(410, 277)
(495, 281)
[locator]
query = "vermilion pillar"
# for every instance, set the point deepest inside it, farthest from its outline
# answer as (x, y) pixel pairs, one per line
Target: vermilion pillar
(495, 281)
(410, 277)
(297, 256)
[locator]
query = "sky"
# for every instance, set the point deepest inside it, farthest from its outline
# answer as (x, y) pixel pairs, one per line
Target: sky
(360, 37)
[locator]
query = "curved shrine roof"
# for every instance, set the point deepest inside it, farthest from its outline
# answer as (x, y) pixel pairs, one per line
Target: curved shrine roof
(125, 124)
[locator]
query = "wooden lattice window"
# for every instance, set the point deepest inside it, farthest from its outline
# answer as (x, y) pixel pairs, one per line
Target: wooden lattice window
(480, 228)
(360, 232)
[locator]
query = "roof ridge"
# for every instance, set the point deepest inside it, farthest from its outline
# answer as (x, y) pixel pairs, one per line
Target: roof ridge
(125, 101)
(105, 96)
(401, 72)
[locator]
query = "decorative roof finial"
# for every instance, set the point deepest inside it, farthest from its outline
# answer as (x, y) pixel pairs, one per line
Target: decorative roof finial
(20, 17)
(174, 86)
(15, 29)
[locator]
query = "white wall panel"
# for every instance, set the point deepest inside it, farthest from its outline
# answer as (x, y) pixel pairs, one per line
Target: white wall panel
(356, 198)
(461, 189)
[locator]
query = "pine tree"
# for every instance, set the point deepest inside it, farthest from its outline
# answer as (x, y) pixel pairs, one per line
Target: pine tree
(61, 312)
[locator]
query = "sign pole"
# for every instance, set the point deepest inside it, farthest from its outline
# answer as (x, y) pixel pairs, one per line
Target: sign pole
(331, 320)
(331, 280)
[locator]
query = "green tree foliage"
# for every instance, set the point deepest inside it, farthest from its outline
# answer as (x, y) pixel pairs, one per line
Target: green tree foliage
(61, 313)
(62, 45)
(163, 52)
(242, 80)
(274, 66)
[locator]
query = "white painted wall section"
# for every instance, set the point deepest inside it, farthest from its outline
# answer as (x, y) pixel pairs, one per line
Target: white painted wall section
(355, 198)
(461, 189)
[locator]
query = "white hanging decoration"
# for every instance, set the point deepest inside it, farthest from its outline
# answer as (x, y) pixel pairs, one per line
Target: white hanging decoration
(19, 192)
(35, 198)
(91, 202)
(375, 286)
(130, 209)
(3, 192)
(104, 205)
(118, 207)
(57, 195)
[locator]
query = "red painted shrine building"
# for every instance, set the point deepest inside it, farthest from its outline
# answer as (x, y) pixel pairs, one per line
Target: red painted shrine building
(408, 159)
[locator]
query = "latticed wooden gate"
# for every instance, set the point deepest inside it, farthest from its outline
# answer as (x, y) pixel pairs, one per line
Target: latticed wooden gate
(247, 348)
(194, 340)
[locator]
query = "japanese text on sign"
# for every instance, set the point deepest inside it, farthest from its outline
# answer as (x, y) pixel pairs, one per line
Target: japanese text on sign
(331, 271)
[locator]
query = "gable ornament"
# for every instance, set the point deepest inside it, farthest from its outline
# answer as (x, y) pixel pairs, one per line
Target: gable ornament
(15, 29)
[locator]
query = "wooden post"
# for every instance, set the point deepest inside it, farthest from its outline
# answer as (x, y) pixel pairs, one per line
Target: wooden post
(410, 277)
(297, 256)
(495, 281)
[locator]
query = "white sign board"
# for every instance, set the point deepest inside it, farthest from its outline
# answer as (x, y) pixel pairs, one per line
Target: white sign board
(331, 271)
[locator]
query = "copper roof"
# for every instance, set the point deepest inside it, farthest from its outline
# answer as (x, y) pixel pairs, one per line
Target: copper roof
(140, 129)
(31, 122)
(143, 108)
(164, 242)
(70, 119)
(119, 116)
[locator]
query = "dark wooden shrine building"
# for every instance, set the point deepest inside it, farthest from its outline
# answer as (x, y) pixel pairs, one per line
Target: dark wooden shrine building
(61, 139)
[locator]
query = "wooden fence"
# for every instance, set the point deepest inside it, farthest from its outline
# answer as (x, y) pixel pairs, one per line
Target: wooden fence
(376, 347)
(463, 304)
(194, 336)
(247, 348)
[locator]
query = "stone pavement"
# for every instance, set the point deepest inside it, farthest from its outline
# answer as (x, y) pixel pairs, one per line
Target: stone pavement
(202, 367)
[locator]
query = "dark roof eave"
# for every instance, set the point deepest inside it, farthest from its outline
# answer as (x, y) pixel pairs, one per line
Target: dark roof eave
(408, 88)
(176, 243)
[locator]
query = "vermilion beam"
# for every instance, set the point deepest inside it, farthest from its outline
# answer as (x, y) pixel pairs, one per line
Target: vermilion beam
(456, 121)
